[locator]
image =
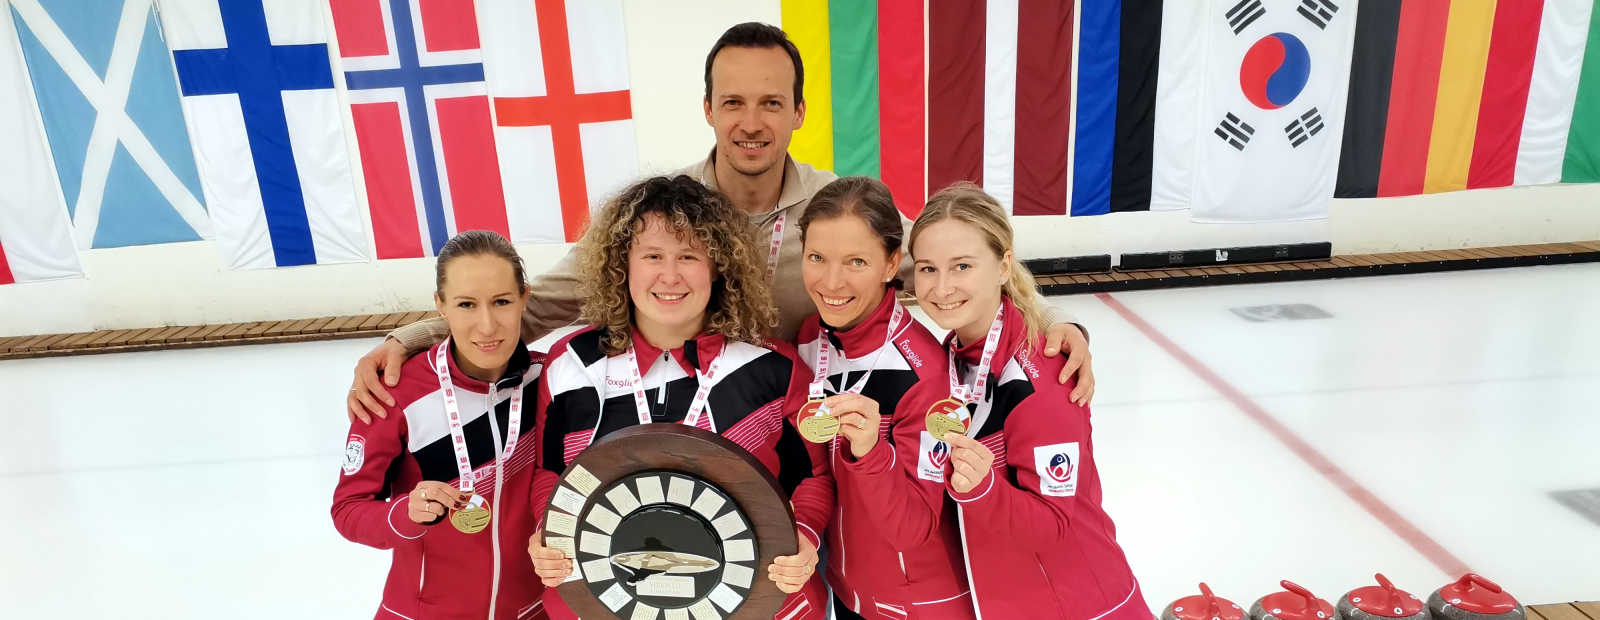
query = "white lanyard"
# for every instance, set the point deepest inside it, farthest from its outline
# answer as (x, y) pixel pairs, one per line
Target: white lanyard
(959, 390)
(698, 405)
(453, 412)
(776, 246)
(825, 349)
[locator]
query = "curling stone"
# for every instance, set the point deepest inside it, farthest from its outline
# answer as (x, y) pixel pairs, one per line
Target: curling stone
(1296, 604)
(1474, 598)
(1381, 602)
(1204, 606)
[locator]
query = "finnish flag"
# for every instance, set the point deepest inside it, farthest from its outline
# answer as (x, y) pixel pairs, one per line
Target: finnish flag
(1277, 77)
(258, 95)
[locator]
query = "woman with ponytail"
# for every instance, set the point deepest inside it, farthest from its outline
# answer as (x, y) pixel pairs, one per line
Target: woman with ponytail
(1021, 468)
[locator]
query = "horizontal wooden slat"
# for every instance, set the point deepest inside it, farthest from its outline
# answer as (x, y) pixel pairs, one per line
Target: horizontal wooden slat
(200, 334)
(7, 342)
(75, 340)
(222, 332)
(128, 336)
(391, 321)
(316, 325)
(106, 338)
(1561, 612)
(52, 339)
(259, 329)
(371, 322)
(1592, 609)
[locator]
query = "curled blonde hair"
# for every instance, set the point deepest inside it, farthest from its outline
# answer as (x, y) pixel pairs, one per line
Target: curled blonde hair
(740, 307)
(965, 202)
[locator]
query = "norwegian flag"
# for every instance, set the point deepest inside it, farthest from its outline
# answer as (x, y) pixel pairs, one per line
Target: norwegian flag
(558, 72)
(415, 78)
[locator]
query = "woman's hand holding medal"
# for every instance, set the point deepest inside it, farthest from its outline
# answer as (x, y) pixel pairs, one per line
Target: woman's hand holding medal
(431, 500)
(970, 462)
(858, 421)
(552, 565)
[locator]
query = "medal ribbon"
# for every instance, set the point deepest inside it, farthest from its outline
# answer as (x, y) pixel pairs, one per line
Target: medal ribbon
(776, 246)
(452, 410)
(959, 390)
(825, 350)
(696, 407)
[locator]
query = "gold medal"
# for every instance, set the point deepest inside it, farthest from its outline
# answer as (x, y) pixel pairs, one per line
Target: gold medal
(942, 419)
(474, 518)
(817, 427)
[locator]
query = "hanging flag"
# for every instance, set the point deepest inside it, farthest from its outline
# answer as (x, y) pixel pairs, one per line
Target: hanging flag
(864, 85)
(1277, 80)
(1566, 31)
(413, 72)
(1121, 64)
(1581, 163)
(103, 78)
(35, 237)
(1179, 86)
(558, 73)
(269, 142)
(991, 103)
(1468, 95)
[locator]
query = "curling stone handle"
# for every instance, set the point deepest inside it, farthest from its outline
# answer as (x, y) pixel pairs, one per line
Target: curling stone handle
(1212, 608)
(1311, 599)
(1473, 578)
(1388, 586)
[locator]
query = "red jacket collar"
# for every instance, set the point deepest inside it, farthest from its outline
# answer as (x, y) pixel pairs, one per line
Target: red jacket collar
(868, 335)
(692, 354)
(1011, 339)
(520, 361)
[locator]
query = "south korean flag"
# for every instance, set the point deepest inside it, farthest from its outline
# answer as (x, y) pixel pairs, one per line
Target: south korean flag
(1277, 76)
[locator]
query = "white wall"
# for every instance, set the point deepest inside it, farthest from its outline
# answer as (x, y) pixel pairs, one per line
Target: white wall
(180, 284)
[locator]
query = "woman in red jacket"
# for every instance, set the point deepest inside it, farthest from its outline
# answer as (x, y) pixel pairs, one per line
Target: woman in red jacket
(674, 288)
(444, 480)
(1038, 544)
(893, 550)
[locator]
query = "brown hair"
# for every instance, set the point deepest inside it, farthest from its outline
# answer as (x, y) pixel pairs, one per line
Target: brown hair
(965, 202)
(740, 307)
(478, 243)
(757, 35)
(863, 197)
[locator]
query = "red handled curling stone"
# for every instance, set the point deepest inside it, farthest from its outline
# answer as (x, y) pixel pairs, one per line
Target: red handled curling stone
(1474, 598)
(1204, 606)
(1381, 602)
(1296, 604)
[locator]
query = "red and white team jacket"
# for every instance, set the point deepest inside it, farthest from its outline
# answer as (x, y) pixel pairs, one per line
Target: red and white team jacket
(893, 547)
(1038, 544)
(585, 395)
(438, 571)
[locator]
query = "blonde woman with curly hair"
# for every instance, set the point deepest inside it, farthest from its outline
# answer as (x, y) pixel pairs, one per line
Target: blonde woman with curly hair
(673, 288)
(1022, 469)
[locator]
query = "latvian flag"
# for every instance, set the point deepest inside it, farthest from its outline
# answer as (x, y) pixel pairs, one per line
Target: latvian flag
(414, 74)
(35, 237)
(923, 95)
(1276, 77)
(1458, 95)
(558, 73)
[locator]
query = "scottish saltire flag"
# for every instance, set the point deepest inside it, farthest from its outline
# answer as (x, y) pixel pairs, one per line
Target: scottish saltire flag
(35, 237)
(558, 73)
(414, 77)
(103, 78)
(1277, 78)
(258, 95)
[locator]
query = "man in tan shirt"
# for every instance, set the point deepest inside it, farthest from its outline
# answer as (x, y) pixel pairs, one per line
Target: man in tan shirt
(754, 80)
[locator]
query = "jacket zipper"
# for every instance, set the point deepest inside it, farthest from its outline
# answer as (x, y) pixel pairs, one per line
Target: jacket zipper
(494, 509)
(661, 394)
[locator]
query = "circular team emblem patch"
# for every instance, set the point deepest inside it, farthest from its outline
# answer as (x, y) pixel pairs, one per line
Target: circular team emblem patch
(1274, 71)
(355, 453)
(1060, 469)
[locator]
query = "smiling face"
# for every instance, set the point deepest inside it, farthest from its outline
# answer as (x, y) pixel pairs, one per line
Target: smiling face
(958, 277)
(752, 107)
(481, 304)
(669, 280)
(845, 269)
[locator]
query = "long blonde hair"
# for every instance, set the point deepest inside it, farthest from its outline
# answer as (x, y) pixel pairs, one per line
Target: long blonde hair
(740, 307)
(965, 202)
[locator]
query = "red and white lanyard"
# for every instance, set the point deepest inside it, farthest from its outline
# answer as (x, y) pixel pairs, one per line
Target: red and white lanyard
(776, 246)
(825, 350)
(959, 390)
(453, 411)
(696, 407)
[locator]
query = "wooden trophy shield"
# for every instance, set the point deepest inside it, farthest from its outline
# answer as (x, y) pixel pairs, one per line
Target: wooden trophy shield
(667, 520)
